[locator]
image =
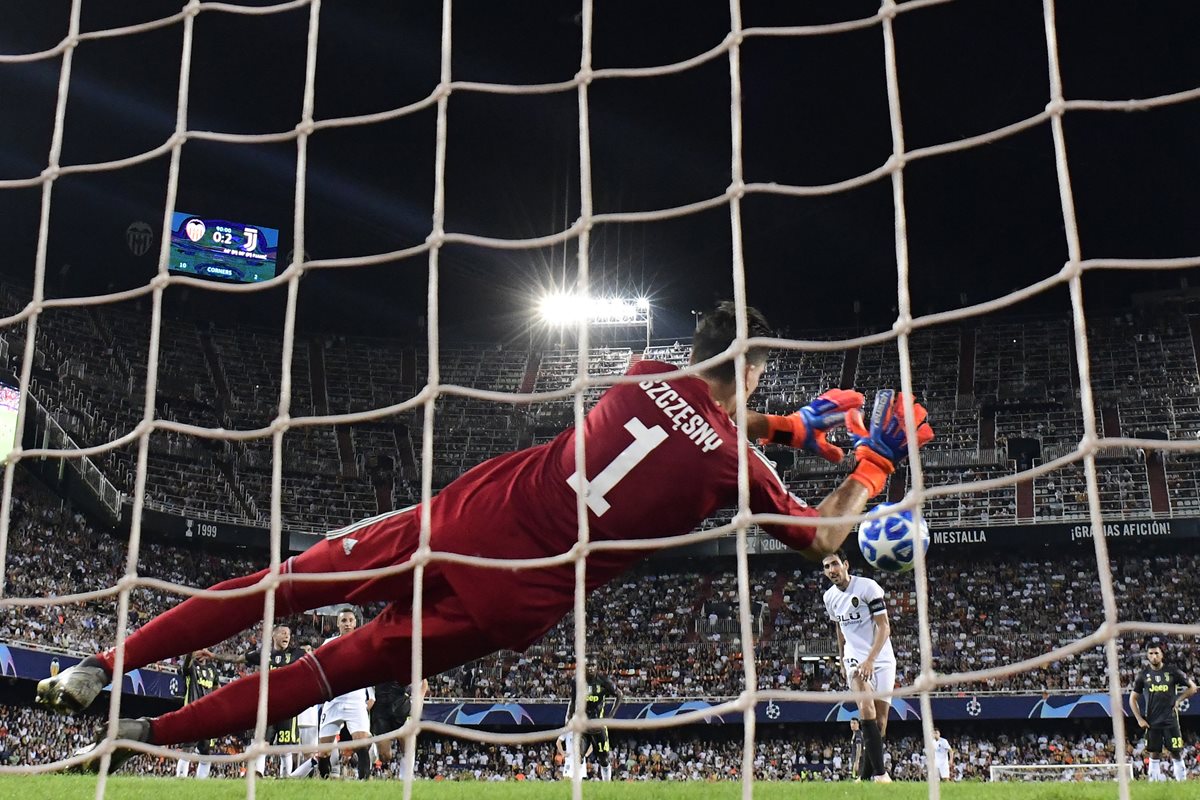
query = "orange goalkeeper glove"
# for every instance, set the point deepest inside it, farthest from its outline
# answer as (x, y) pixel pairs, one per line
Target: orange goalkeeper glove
(808, 427)
(885, 444)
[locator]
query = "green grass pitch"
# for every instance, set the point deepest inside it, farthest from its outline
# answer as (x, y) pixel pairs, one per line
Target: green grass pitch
(62, 787)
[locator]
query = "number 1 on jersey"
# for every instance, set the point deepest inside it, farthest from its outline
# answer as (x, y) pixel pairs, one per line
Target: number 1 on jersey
(644, 440)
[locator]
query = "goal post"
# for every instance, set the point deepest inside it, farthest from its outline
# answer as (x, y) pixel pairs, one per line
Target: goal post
(1060, 772)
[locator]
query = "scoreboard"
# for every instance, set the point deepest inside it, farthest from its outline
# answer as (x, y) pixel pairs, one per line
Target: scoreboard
(223, 250)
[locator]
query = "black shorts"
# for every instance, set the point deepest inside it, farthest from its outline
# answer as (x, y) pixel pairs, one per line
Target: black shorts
(1165, 737)
(286, 732)
(599, 743)
(386, 718)
(205, 747)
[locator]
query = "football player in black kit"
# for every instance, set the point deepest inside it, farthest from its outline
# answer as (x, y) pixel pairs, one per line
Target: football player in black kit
(1165, 689)
(393, 706)
(199, 677)
(283, 653)
(856, 750)
(600, 689)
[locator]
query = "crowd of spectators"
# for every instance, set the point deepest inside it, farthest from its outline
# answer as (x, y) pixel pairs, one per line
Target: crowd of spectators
(664, 630)
(654, 631)
(30, 736)
(91, 376)
(53, 550)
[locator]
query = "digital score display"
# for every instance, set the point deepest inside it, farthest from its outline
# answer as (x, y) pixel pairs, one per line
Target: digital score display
(222, 250)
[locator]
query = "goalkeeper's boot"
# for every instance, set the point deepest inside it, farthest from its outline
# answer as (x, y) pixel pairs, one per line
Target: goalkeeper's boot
(74, 688)
(135, 730)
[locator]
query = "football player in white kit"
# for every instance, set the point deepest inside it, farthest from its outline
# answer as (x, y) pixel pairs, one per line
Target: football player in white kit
(856, 604)
(569, 765)
(351, 709)
(944, 754)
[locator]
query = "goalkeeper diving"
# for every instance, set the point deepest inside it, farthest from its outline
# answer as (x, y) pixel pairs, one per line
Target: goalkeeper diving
(661, 457)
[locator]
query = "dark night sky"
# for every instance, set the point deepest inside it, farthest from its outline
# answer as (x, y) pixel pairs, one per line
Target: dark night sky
(981, 222)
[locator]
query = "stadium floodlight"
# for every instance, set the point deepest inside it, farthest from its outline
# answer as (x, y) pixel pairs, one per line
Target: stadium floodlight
(566, 309)
(563, 309)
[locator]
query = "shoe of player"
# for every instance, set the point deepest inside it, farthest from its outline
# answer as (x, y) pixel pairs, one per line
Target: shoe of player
(884, 778)
(73, 689)
(135, 730)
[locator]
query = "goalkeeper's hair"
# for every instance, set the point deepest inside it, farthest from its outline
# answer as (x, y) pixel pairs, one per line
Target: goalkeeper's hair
(716, 331)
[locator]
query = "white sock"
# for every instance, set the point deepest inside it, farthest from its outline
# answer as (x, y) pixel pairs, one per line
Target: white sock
(1179, 769)
(305, 769)
(1155, 773)
(181, 768)
(606, 771)
(202, 769)
(260, 765)
(285, 765)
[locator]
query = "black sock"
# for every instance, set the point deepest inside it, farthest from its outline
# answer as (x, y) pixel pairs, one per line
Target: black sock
(323, 766)
(873, 745)
(364, 763)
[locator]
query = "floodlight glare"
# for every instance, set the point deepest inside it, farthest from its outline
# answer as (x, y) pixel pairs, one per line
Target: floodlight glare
(565, 309)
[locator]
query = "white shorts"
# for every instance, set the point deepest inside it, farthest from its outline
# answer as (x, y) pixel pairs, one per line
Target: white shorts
(308, 736)
(883, 679)
(339, 710)
(944, 771)
(309, 717)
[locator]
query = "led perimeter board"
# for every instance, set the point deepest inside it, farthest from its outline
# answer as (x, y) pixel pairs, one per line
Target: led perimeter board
(9, 397)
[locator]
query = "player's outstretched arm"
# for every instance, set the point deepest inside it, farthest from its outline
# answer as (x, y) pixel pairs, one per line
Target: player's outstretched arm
(807, 428)
(229, 658)
(847, 500)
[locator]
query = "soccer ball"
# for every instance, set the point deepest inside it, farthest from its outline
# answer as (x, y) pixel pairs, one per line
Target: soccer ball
(888, 543)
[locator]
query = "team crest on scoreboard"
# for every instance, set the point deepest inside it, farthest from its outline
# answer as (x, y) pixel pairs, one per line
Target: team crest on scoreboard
(194, 229)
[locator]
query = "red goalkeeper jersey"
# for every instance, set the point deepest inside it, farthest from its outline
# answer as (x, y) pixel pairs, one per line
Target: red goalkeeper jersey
(661, 458)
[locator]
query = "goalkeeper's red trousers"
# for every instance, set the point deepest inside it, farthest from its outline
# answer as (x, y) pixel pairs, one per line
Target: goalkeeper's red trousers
(377, 652)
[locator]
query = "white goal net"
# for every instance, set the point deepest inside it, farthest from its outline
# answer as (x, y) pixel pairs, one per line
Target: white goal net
(582, 84)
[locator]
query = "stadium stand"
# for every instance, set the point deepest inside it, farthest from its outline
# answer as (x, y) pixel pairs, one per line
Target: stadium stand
(663, 632)
(32, 736)
(1004, 394)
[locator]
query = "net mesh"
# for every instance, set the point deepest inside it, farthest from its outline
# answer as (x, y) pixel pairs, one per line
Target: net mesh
(905, 324)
